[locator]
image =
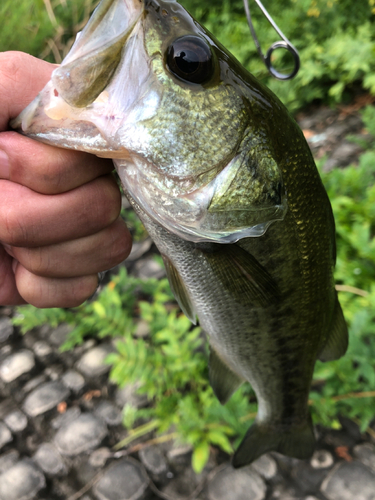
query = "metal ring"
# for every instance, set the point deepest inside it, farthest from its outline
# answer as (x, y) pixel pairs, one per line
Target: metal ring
(272, 70)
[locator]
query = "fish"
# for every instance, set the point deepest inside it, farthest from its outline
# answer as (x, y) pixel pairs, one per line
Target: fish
(224, 181)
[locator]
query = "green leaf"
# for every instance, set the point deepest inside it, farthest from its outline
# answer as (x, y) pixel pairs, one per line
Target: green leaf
(200, 456)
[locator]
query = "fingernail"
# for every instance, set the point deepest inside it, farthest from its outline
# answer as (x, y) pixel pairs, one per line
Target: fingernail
(14, 265)
(4, 165)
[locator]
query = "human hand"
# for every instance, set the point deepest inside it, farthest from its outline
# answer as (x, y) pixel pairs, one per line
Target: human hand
(59, 209)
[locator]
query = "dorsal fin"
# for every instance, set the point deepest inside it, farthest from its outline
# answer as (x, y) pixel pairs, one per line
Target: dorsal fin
(179, 290)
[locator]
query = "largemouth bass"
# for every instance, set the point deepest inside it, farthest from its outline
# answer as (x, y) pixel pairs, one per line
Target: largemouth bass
(222, 178)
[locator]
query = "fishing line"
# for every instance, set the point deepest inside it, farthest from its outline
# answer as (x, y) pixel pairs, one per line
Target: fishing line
(281, 44)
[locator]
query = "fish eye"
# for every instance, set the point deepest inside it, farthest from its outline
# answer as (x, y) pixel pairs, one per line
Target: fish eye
(190, 59)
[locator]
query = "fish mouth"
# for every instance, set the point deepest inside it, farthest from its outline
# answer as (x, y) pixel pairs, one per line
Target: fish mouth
(77, 109)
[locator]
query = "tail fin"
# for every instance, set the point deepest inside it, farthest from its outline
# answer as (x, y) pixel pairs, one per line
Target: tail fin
(293, 441)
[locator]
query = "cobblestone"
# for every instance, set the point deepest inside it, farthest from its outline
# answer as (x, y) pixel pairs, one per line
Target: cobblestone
(16, 421)
(82, 434)
(16, 365)
(45, 397)
(236, 484)
(21, 482)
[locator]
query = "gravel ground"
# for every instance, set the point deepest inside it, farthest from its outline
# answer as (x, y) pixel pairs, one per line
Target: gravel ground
(60, 416)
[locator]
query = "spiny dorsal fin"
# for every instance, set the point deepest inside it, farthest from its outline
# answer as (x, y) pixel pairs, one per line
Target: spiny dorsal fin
(337, 341)
(223, 380)
(239, 272)
(179, 290)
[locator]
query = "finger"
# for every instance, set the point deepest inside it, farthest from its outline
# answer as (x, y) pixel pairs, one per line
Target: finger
(89, 255)
(30, 219)
(47, 169)
(9, 295)
(50, 292)
(22, 77)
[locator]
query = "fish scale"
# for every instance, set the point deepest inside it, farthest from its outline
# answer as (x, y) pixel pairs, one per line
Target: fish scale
(225, 183)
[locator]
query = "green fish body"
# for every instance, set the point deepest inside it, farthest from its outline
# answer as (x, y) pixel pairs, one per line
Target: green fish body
(224, 181)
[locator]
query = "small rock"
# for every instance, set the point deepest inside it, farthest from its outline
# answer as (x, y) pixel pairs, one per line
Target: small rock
(82, 434)
(65, 418)
(139, 248)
(109, 413)
(73, 380)
(265, 466)
(236, 484)
(6, 329)
(365, 453)
(180, 457)
(45, 397)
(128, 395)
(92, 362)
(7, 460)
(16, 365)
(181, 486)
(99, 457)
(154, 460)
(142, 329)
(16, 421)
(126, 480)
(307, 478)
(321, 459)
(50, 460)
(42, 350)
(34, 382)
(60, 334)
(5, 435)
(54, 372)
(149, 268)
(349, 480)
(21, 482)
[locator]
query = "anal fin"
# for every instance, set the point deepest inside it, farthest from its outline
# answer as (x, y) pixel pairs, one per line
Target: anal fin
(223, 380)
(179, 290)
(292, 441)
(337, 341)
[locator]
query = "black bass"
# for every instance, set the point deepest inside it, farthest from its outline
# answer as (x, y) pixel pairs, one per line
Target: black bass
(224, 182)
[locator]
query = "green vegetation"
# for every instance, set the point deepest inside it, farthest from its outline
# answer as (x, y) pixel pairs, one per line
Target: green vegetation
(336, 40)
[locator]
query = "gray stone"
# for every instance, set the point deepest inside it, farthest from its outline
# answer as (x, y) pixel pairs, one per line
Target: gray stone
(21, 482)
(6, 329)
(321, 459)
(99, 457)
(236, 484)
(265, 466)
(65, 418)
(16, 365)
(142, 329)
(16, 421)
(73, 380)
(5, 435)
(109, 413)
(125, 480)
(349, 480)
(34, 382)
(42, 350)
(127, 395)
(45, 397)
(82, 434)
(154, 460)
(50, 460)
(365, 453)
(54, 372)
(183, 485)
(60, 334)
(92, 362)
(7, 460)
(149, 268)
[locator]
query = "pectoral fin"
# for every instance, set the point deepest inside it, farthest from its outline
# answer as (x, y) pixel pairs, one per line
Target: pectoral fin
(241, 274)
(337, 341)
(223, 380)
(179, 290)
